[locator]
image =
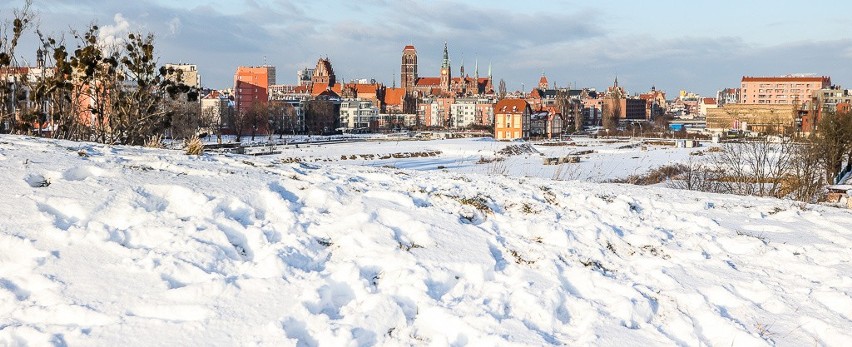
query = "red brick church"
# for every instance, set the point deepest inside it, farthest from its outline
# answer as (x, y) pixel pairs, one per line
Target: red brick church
(445, 84)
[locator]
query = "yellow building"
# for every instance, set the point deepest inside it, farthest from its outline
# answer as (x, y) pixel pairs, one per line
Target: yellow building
(755, 118)
(512, 119)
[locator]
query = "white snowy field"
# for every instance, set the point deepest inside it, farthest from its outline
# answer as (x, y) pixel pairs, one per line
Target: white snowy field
(609, 159)
(104, 245)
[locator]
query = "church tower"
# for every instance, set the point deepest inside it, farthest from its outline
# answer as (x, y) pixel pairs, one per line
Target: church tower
(408, 69)
(445, 70)
(324, 73)
(542, 82)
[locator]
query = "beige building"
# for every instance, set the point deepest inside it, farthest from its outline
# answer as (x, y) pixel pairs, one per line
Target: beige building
(785, 90)
(754, 118)
(188, 74)
(705, 104)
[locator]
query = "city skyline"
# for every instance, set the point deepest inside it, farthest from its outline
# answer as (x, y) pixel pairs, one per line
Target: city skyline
(671, 45)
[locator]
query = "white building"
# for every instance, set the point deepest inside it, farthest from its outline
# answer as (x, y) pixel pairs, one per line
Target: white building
(462, 113)
(357, 114)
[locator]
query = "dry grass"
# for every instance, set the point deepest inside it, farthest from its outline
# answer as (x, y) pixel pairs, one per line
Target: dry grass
(655, 176)
(194, 146)
(155, 141)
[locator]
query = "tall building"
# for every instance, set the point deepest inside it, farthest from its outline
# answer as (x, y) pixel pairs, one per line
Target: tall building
(303, 77)
(408, 70)
(270, 75)
(251, 85)
(783, 90)
(446, 72)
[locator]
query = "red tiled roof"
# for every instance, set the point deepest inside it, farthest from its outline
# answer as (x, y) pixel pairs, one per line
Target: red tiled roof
(428, 81)
(408, 47)
(366, 88)
(511, 106)
(300, 89)
(394, 96)
(787, 79)
(535, 94)
(542, 80)
(328, 92)
(318, 88)
(709, 101)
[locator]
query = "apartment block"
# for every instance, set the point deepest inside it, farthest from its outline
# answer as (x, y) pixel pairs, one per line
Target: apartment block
(783, 90)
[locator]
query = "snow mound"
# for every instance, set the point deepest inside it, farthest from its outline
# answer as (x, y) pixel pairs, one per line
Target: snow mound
(137, 246)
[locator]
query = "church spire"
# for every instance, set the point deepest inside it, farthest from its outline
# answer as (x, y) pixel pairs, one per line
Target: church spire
(616, 81)
(461, 71)
(446, 63)
(476, 70)
(489, 69)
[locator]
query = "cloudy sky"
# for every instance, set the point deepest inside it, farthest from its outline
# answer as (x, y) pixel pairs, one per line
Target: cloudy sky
(675, 45)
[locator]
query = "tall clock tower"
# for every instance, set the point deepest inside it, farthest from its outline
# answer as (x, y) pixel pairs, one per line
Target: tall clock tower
(445, 70)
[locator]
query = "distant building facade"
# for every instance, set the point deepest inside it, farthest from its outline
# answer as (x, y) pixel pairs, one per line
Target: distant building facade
(727, 96)
(188, 74)
(783, 90)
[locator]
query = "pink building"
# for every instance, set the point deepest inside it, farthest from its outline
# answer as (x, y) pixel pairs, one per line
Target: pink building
(785, 90)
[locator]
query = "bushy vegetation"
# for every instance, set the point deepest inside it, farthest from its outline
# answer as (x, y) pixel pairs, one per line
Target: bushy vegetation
(94, 90)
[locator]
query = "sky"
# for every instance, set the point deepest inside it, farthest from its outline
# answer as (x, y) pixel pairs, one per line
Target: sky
(673, 45)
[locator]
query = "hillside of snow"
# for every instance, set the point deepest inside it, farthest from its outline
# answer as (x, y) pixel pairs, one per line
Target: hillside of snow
(104, 245)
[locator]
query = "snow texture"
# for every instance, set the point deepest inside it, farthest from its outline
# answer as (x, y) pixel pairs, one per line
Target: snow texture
(104, 245)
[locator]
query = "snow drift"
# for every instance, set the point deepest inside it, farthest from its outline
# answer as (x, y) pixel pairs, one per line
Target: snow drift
(108, 245)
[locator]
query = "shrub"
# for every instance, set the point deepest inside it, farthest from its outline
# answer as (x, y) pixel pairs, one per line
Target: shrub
(194, 146)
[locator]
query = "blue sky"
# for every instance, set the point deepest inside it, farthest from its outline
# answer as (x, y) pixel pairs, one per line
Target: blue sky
(674, 45)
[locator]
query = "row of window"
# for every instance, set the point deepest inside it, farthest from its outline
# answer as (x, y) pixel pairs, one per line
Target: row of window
(770, 101)
(783, 85)
(508, 134)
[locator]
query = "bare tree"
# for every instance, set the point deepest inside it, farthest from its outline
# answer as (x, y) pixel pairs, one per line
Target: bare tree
(238, 121)
(806, 180)
(319, 116)
(758, 166)
(501, 90)
(612, 110)
(257, 117)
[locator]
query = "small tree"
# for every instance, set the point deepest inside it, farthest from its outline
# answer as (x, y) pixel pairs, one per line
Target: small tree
(834, 141)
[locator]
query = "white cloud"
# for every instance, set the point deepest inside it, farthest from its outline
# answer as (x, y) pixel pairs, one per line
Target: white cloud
(174, 25)
(111, 36)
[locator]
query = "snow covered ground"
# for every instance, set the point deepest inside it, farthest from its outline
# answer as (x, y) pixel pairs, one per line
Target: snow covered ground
(609, 159)
(105, 245)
